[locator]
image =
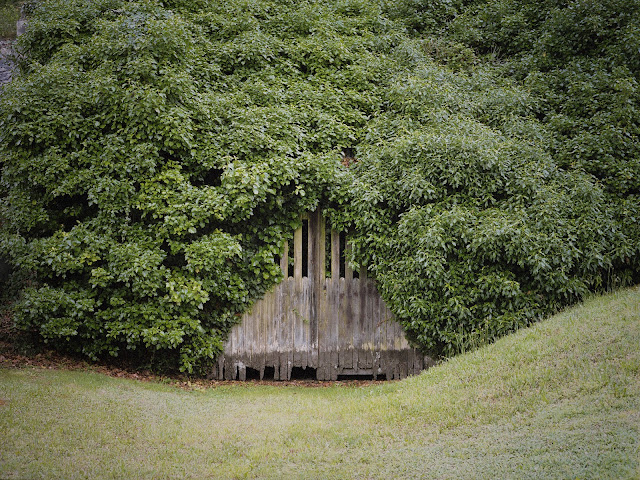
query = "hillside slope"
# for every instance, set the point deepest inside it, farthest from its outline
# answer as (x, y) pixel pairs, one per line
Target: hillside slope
(560, 399)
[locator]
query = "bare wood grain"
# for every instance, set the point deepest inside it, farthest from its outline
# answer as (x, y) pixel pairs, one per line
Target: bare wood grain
(331, 324)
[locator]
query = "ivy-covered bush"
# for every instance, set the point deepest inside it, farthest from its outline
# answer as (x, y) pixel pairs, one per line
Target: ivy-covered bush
(155, 156)
(147, 182)
(154, 159)
(462, 215)
(580, 58)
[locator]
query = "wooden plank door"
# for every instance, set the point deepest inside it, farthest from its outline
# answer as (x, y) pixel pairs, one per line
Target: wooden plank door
(330, 322)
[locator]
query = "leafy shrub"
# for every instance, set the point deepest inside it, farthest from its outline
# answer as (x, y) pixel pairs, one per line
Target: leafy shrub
(149, 201)
(580, 58)
(155, 156)
(153, 167)
(470, 227)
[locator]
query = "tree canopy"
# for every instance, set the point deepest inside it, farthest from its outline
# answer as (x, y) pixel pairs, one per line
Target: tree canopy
(156, 155)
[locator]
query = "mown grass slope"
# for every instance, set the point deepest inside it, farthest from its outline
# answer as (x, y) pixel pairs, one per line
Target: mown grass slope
(558, 400)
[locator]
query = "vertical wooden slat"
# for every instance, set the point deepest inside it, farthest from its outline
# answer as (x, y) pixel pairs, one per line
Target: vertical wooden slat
(311, 241)
(320, 295)
(297, 253)
(311, 325)
(299, 321)
(306, 321)
(254, 343)
(226, 356)
(278, 321)
(239, 341)
(296, 310)
(334, 320)
(347, 319)
(386, 334)
(348, 271)
(371, 324)
(350, 322)
(265, 313)
(272, 360)
(229, 368)
(354, 300)
(282, 328)
(283, 339)
(284, 260)
(316, 273)
(335, 329)
(320, 249)
(323, 329)
(335, 254)
(243, 337)
(392, 341)
(248, 339)
(289, 326)
(252, 340)
(344, 330)
(401, 342)
(376, 332)
(405, 357)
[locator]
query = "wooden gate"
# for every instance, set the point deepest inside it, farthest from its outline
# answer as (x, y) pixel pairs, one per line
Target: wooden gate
(331, 320)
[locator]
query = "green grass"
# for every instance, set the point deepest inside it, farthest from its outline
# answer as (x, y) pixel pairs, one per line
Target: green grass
(558, 400)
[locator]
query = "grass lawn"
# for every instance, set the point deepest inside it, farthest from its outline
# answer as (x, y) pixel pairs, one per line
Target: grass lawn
(558, 400)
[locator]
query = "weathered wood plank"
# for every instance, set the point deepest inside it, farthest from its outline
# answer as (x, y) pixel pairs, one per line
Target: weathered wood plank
(237, 335)
(336, 325)
(335, 254)
(302, 324)
(284, 260)
(262, 342)
(289, 328)
(348, 271)
(283, 328)
(357, 307)
(257, 346)
(353, 312)
(278, 322)
(316, 275)
(323, 324)
(364, 338)
(345, 329)
(251, 335)
(405, 356)
(297, 253)
(270, 341)
(375, 320)
(334, 366)
(333, 333)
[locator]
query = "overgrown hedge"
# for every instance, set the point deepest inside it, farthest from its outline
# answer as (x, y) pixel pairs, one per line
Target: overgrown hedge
(155, 155)
(470, 227)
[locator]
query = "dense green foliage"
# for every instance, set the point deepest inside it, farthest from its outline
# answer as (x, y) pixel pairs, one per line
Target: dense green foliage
(155, 155)
(155, 161)
(581, 59)
(496, 190)
(472, 230)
